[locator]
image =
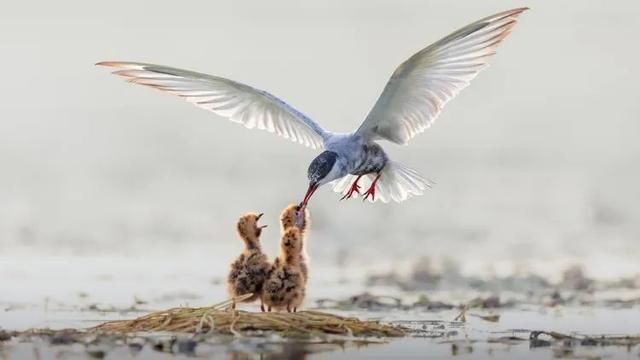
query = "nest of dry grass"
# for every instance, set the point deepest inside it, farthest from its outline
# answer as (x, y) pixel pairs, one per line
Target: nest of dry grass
(220, 319)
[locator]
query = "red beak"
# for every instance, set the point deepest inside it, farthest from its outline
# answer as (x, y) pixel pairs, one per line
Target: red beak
(312, 188)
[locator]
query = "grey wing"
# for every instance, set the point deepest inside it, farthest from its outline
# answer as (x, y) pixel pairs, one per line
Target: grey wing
(237, 102)
(421, 86)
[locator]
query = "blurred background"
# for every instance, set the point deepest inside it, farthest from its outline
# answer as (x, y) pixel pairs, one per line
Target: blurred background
(536, 163)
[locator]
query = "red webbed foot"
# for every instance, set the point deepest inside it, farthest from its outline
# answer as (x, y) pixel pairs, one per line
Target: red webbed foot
(355, 188)
(372, 190)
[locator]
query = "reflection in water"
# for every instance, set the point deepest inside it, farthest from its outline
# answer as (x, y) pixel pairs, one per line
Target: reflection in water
(74, 343)
(297, 349)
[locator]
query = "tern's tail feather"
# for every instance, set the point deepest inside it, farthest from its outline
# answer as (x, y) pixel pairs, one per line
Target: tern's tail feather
(397, 182)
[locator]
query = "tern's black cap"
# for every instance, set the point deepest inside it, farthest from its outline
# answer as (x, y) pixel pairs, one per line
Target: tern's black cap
(321, 166)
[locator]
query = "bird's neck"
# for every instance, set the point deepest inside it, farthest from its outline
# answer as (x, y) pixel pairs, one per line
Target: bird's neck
(252, 244)
(250, 241)
(290, 257)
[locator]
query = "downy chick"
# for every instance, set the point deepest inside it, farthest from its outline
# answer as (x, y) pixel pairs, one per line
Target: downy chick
(292, 217)
(285, 287)
(250, 270)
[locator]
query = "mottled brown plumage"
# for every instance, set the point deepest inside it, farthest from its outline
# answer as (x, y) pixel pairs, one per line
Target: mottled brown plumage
(292, 217)
(250, 270)
(285, 287)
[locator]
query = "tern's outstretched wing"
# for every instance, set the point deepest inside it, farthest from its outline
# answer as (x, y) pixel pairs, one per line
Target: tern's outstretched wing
(237, 102)
(422, 85)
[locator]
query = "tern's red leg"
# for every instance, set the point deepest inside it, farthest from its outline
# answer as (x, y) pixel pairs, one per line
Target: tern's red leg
(372, 189)
(354, 188)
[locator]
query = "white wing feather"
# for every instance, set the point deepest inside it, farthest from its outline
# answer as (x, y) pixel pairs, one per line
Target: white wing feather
(422, 85)
(237, 102)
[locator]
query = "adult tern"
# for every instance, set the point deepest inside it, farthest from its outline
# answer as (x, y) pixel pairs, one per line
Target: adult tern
(410, 102)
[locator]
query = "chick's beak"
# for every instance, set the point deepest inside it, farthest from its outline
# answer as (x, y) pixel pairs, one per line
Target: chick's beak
(312, 188)
(258, 218)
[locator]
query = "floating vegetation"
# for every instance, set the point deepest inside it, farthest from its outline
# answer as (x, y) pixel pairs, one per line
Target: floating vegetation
(364, 301)
(545, 338)
(431, 329)
(370, 302)
(490, 302)
(541, 338)
(220, 319)
(426, 276)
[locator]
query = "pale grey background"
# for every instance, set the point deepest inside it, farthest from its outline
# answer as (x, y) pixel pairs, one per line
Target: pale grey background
(536, 162)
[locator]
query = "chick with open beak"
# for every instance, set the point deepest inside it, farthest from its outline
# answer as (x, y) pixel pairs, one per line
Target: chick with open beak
(251, 268)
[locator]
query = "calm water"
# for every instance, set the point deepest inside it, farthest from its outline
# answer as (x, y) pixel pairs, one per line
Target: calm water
(63, 293)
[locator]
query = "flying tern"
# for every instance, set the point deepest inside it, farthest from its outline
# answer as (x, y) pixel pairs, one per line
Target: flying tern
(410, 102)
